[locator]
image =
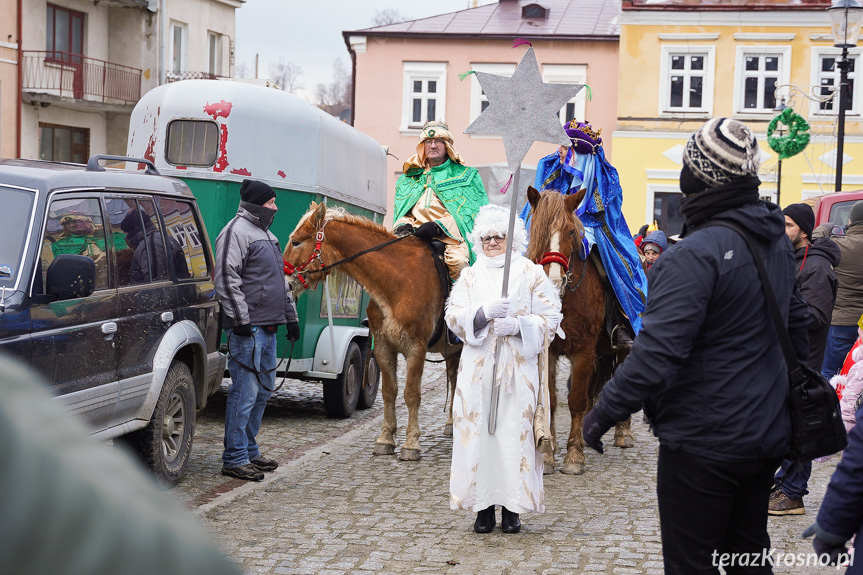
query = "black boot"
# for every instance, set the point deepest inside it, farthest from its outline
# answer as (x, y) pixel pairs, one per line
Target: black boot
(509, 521)
(620, 337)
(484, 520)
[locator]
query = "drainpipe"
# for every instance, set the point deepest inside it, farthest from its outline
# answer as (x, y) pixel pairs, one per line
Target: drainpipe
(353, 79)
(163, 68)
(20, 83)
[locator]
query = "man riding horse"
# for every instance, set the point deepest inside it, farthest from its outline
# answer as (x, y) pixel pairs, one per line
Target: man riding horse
(582, 165)
(438, 197)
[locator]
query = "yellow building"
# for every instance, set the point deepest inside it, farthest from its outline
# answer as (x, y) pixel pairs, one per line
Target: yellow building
(685, 61)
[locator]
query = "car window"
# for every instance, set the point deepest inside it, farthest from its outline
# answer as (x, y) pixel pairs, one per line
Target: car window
(76, 227)
(15, 218)
(187, 251)
(840, 212)
(144, 259)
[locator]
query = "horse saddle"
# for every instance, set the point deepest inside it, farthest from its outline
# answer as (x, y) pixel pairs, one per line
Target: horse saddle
(437, 248)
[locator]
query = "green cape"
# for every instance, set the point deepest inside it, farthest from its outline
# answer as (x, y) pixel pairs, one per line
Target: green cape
(458, 187)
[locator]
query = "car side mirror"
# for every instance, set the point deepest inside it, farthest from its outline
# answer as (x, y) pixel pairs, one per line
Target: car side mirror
(71, 276)
(838, 230)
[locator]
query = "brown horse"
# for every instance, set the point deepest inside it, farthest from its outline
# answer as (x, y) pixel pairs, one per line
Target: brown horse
(555, 228)
(406, 301)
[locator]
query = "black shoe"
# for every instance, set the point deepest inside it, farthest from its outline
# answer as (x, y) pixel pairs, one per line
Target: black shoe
(509, 521)
(485, 521)
(262, 463)
(620, 337)
(247, 472)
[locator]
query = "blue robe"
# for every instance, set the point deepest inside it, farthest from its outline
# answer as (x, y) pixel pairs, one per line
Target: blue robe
(602, 216)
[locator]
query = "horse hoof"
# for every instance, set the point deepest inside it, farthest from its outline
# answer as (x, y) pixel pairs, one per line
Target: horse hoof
(409, 454)
(384, 449)
(547, 468)
(573, 468)
(447, 430)
(623, 441)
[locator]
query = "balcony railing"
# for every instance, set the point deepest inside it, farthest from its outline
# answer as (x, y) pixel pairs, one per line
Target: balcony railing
(75, 76)
(177, 76)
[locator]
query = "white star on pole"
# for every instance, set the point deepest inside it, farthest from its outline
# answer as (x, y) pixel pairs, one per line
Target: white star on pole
(523, 109)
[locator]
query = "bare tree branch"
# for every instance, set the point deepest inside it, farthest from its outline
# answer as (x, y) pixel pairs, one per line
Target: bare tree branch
(286, 75)
(387, 16)
(335, 97)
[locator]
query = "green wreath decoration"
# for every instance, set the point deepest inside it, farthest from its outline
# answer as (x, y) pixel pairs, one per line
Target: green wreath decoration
(795, 140)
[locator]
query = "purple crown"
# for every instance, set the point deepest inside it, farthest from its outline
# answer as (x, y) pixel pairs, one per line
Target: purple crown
(584, 139)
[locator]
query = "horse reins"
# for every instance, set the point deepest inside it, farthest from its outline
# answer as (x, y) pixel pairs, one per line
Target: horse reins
(297, 271)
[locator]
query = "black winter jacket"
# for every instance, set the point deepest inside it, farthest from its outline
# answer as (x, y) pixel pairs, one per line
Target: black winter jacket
(818, 286)
(841, 511)
(707, 364)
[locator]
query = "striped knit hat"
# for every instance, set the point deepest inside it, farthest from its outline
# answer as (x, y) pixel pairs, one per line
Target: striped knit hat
(721, 151)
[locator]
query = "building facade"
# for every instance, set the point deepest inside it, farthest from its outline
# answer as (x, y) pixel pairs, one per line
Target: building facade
(685, 61)
(408, 73)
(85, 64)
(9, 90)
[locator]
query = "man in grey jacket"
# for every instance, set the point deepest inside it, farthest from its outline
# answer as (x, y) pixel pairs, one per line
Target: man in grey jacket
(250, 283)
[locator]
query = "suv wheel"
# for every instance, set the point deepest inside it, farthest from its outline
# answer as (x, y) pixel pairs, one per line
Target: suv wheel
(166, 442)
(341, 394)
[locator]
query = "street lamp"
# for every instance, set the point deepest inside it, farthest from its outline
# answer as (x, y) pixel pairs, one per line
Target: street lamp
(780, 107)
(845, 19)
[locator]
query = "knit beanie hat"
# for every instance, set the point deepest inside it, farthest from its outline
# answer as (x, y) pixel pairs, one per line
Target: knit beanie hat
(803, 216)
(856, 215)
(255, 192)
(721, 151)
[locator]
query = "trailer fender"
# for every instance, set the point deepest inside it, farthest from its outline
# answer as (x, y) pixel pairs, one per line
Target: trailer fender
(342, 335)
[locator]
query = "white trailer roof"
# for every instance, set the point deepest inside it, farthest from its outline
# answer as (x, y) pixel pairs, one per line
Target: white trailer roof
(265, 134)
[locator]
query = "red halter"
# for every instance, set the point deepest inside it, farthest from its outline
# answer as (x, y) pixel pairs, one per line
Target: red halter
(291, 270)
(554, 258)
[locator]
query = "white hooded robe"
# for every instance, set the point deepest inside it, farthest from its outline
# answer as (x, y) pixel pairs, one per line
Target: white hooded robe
(504, 468)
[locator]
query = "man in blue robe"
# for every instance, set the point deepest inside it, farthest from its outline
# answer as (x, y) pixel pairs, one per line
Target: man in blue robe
(583, 165)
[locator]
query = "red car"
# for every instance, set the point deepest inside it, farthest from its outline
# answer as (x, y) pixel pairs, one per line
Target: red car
(835, 208)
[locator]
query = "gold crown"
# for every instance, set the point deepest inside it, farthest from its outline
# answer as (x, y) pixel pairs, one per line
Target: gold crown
(435, 124)
(586, 128)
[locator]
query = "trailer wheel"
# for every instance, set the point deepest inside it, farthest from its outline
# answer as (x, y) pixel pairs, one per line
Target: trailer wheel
(341, 394)
(369, 394)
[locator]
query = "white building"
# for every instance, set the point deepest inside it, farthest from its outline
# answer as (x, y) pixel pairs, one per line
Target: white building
(85, 64)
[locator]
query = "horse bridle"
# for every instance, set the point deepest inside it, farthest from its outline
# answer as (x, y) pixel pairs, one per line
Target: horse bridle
(566, 264)
(297, 271)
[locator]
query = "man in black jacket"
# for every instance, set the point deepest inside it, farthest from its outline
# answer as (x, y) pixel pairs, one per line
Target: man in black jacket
(707, 364)
(814, 262)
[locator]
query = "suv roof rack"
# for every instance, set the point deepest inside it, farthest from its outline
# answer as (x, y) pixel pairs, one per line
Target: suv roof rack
(93, 163)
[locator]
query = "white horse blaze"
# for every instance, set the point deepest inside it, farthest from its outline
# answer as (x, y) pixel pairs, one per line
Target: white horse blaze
(555, 272)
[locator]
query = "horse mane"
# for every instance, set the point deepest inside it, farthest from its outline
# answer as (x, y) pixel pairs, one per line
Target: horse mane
(338, 213)
(548, 217)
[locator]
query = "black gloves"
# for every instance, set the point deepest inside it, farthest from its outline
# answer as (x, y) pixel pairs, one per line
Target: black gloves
(404, 230)
(243, 330)
(429, 231)
(594, 427)
(293, 331)
(826, 543)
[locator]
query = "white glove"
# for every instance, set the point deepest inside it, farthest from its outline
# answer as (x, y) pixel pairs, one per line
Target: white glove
(506, 326)
(497, 308)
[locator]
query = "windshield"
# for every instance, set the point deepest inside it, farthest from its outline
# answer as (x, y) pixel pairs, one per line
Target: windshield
(840, 212)
(15, 219)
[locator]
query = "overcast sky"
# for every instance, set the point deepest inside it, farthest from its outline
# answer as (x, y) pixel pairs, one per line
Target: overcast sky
(309, 32)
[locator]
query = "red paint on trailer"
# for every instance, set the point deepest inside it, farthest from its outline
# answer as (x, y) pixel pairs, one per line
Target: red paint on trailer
(221, 109)
(241, 172)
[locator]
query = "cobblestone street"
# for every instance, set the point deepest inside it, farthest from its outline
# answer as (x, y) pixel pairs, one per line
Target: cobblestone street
(334, 508)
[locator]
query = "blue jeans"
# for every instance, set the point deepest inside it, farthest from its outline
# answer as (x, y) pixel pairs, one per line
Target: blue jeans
(793, 483)
(246, 397)
(840, 338)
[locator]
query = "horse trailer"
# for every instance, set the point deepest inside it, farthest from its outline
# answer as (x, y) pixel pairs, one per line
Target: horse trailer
(212, 134)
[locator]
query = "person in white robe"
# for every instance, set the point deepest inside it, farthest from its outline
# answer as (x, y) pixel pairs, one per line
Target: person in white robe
(504, 468)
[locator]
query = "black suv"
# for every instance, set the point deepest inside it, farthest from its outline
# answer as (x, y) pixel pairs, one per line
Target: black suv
(106, 291)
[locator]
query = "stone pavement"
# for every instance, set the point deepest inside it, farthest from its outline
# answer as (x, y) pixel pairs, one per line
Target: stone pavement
(334, 508)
